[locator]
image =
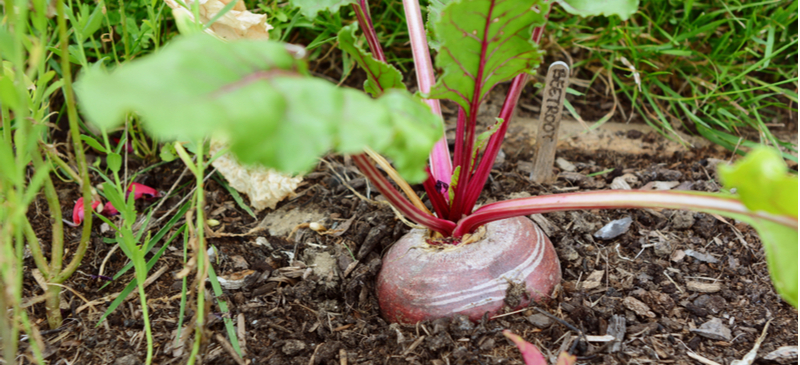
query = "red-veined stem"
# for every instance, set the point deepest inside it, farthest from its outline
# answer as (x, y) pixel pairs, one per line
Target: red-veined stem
(475, 185)
(441, 166)
(398, 201)
(612, 199)
(476, 182)
(365, 23)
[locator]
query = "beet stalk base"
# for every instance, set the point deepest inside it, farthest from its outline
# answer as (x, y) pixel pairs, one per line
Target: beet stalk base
(513, 264)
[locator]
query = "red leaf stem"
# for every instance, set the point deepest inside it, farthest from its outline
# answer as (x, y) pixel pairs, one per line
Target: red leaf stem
(365, 23)
(476, 183)
(611, 199)
(441, 166)
(398, 201)
(495, 142)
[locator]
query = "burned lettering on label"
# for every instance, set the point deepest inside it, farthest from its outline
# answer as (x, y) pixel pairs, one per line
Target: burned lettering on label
(549, 119)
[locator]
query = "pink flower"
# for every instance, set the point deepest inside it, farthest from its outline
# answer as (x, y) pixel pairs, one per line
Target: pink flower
(142, 190)
(77, 211)
(128, 145)
(109, 210)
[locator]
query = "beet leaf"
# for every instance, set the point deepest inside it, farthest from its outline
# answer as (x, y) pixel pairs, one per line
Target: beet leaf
(380, 75)
(485, 42)
(256, 94)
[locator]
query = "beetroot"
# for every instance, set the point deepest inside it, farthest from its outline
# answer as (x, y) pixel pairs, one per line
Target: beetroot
(512, 264)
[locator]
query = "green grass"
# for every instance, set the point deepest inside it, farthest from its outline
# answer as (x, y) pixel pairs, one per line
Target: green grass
(721, 69)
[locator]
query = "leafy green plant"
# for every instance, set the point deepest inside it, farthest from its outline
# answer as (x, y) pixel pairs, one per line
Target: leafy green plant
(258, 96)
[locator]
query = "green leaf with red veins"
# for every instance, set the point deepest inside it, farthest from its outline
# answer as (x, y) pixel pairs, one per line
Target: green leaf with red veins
(485, 42)
(380, 75)
(310, 8)
(623, 8)
(435, 8)
(763, 184)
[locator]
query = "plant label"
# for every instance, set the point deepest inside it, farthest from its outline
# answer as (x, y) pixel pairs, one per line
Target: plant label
(549, 120)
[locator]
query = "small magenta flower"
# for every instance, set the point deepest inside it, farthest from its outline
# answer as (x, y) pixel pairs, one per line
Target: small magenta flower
(77, 211)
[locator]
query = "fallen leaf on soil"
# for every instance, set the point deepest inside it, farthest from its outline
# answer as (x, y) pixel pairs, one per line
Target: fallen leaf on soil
(638, 307)
(77, 211)
(237, 23)
(530, 354)
(715, 330)
(140, 191)
(235, 280)
(265, 187)
(593, 281)
(703, 287)
(783, 355)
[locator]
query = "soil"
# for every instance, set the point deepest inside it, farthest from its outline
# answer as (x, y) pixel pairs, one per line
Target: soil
(311, 297)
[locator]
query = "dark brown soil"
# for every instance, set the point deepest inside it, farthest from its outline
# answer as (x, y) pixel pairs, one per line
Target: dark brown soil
(304, 309)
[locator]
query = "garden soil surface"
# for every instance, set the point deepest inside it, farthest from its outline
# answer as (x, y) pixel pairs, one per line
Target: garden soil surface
(675, 287)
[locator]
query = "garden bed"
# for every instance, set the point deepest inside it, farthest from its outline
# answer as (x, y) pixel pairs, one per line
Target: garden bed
(310, 301)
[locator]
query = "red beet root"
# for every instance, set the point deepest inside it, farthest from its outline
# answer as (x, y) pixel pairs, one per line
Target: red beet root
(421, 282)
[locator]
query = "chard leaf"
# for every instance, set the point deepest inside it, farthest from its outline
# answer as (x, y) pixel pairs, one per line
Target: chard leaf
(485, 42)
(763, 184)
(254, 94)
(435, 8)
(623, 8)
(310, 8)
(380, 75)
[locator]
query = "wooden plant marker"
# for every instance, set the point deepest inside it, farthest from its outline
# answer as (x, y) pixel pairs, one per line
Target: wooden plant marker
(549, 120)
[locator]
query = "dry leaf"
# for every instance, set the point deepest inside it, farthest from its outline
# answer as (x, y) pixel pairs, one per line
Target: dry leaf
(265, 187)
(238, 23)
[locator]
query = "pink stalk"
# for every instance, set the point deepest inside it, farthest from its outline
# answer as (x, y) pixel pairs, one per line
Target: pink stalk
(400, 202)
(476, 183)
(612, 199)
(495, 141)
(441, 166)
(365, 23)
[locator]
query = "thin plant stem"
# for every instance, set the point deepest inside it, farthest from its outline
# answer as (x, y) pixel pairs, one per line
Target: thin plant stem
(365, 23)
(202, 255)
(398, 201)
(441, 166)
(612, 199)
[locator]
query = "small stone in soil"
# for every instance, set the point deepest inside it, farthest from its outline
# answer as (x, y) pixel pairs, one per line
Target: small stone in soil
(564, 164)
(239, 262)
(461, 326)
(715, 330)
(293, 347)
(663, 248)
(540, 320)
(677, 256)
(701, 256)
(128, 360)
(682, 219)
(614, 229)
(703, 287)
